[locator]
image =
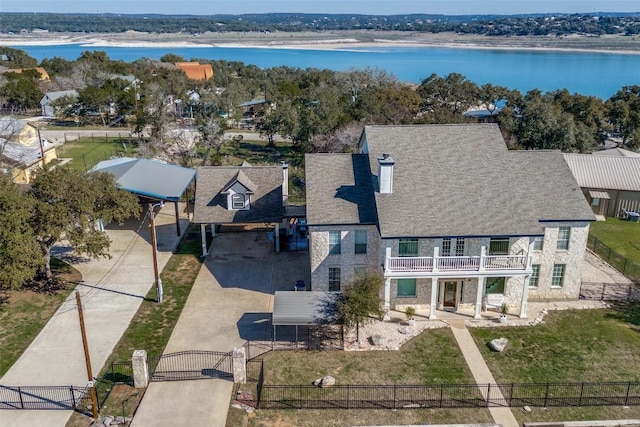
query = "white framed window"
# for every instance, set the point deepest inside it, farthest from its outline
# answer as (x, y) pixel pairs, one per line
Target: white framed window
(406, 288)
(408, 247)
(538, 243)
(535, 276)
(459, 247)
(499, 246)
(335, 242)
(237, 201)
(334, 279)
(361, 242)
(446, 246)
(564, 234)
(557, 280)
(494, 285)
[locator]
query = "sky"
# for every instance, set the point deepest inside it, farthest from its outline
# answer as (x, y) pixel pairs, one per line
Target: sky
(372, 7)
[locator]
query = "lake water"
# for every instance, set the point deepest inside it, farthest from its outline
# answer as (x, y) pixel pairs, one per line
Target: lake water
(587, 73)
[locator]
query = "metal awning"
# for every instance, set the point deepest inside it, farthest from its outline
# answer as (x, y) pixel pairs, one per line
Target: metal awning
(302, 308)
(599, 195)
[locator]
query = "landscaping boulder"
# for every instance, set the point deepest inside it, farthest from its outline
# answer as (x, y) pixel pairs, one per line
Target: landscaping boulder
(405, 330)
(378, 340)
(498, 344)
(327, 381)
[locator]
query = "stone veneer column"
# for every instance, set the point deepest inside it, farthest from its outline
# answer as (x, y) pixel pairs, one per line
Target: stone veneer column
(479, 292)
(140, 369)
(239, 361)
(434, 298)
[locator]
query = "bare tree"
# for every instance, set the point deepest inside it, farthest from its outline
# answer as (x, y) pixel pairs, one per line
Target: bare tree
(211, 137)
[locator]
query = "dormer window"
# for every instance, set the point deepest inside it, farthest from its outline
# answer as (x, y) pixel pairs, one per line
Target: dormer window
(237, 201)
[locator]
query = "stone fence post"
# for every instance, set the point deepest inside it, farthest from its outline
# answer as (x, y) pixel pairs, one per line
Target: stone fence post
(140, 369)
(239, 361)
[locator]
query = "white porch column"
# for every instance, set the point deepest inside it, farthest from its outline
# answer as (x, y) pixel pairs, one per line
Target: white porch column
(436, 254)
(525, 297)
(387, 298)
(483, 253)
(479, 293)
(213, 230)
(276, 235)
(203, 239)
(434, 298)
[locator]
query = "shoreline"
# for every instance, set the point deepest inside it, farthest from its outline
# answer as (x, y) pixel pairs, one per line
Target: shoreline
(317, 41)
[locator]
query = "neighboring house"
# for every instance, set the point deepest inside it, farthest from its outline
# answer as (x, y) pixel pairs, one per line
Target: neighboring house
(450, 217)
(241, 195)
(253, 108)
(21, 151)
(610, 183)
(46, 103)
(44, 76)
(196, 71)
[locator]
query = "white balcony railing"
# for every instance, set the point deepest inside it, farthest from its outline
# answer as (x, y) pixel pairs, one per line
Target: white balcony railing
(457, 263)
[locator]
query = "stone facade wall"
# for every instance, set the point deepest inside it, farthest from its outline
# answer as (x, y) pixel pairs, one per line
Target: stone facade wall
(348, 261)
(572, 258)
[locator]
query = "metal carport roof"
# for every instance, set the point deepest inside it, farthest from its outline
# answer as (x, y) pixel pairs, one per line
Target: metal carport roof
(303, 308)
(149, 178)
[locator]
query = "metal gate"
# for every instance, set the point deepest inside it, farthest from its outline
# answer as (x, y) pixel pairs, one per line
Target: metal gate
(191, 365)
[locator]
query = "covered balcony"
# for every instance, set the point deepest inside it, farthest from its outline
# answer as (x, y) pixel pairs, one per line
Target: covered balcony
(450, 264)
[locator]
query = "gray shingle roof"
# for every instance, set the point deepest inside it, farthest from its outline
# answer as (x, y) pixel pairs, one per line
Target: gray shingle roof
(456, 180)
(266, 200)
(606, 172)
(339, 189)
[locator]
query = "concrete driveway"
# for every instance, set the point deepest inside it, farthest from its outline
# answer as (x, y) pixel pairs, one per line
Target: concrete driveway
(112, 291)
(230, 303)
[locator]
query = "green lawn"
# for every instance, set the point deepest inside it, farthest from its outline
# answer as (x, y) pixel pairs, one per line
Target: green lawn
(24, 312)
(571, 346)
(621, 236)
(87, 152)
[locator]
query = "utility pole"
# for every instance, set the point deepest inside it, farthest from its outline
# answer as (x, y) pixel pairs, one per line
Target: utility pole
(87, 359)
(154, 249)
(41, 147)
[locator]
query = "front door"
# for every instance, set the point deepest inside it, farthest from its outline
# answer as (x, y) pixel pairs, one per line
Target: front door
(450, 293)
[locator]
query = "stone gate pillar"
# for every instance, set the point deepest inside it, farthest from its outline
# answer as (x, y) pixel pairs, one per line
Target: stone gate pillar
(140, 369)
(239, 362)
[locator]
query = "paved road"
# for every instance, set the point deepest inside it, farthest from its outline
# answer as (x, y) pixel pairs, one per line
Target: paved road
(230, 303)
(113, 290)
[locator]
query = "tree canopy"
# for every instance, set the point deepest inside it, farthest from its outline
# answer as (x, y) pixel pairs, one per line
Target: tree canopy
(69, 205)
(361, 300)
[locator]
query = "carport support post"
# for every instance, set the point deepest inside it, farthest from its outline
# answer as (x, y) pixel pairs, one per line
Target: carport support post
(177, 217)
(276, 235)
(140, 369)
(239, 361)
(203, 239)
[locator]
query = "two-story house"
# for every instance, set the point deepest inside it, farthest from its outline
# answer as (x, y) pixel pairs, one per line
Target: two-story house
(449, 216)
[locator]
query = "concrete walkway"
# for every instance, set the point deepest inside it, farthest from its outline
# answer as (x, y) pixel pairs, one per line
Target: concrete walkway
(480, 371)
(231, 302)
(112, 291)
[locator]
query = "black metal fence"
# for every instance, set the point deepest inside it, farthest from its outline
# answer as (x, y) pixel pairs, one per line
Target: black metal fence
(46, 397)
(610, 291)
(191, 365)
(447, 396)
(616, 260)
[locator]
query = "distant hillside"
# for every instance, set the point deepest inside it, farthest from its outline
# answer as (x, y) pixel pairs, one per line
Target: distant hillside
(490, 25)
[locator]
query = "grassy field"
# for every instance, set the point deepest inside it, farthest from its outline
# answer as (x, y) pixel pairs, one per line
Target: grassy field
(23, 313)
(151, 327)
(571, 346)
(621, 236)
(432, 357)
(574, 345)
(87, 152)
